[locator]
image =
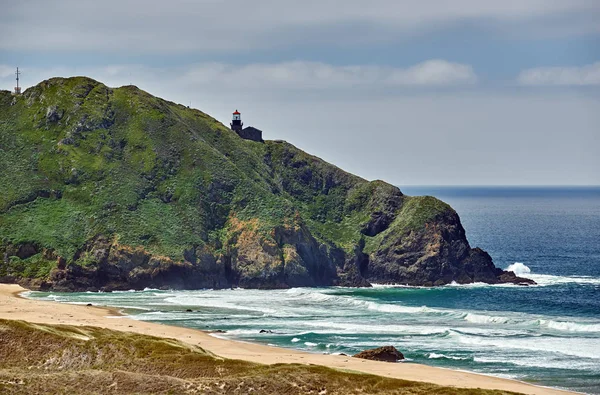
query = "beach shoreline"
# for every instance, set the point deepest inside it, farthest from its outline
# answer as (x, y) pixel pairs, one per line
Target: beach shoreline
(13, 306)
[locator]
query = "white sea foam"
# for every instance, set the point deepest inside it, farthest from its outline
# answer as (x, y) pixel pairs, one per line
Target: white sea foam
(518, 268)
(454, 284)
(543, 362)
(242, 332)
(321, 297)
(579, 347)
(547, 279)
(434, 355)
(193, 300)
(525, 321)
(570, 326)
(311, 344)
(295, 340)
(485, 319)
(523, 270)
(375, 285)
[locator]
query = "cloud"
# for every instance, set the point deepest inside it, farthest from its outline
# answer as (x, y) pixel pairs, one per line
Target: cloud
(6, 71)
(435, 72)
(282, 79)
(215, 25)
(411, 134)
(561, 76)
(320, 76)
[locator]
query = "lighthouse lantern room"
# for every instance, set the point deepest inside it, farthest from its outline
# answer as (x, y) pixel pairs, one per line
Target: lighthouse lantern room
(236, 122)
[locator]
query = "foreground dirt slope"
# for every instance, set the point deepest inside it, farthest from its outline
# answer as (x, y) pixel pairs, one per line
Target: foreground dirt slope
(38, 358)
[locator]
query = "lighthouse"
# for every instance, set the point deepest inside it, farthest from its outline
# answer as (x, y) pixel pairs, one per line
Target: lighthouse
(248, 133)
(236, 122)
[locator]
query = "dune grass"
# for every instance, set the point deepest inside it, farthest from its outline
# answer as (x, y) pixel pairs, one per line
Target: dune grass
(87, 360)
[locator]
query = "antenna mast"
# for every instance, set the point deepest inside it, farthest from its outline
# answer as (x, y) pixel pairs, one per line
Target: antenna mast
(18, 88)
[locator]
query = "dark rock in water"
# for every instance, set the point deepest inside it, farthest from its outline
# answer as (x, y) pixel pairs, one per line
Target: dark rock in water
(512, 278)
(189, 310)
(89, 304)
(385, 354)
(265, 331)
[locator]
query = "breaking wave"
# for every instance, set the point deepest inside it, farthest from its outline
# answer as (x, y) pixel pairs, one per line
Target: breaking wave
(434, 355)
(518, 268)
(523, 270)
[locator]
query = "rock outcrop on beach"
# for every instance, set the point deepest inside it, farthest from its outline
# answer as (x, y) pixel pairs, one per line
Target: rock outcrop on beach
(384, 354)
(107, 189)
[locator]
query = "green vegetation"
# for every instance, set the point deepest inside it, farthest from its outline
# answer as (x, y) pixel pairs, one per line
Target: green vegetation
(80, 160)
(86, 360)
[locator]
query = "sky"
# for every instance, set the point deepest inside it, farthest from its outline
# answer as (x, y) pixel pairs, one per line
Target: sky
(462, 92)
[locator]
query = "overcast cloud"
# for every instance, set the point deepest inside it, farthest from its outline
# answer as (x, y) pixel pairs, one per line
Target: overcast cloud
(439, 92)
(188, 25)
(574, 76)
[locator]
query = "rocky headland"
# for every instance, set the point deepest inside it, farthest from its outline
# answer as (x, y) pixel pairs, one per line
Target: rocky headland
(112, 189)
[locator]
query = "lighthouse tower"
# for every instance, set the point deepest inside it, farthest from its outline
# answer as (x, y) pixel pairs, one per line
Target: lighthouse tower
(236, 122)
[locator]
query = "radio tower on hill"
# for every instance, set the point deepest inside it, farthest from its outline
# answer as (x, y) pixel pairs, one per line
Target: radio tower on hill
(18, 88)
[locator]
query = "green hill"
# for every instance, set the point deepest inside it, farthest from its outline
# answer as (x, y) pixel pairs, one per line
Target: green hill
(108, 188)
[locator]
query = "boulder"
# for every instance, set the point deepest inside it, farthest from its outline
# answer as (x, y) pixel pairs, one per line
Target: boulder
(385, 354)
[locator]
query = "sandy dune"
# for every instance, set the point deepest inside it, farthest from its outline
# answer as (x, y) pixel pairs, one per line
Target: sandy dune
(14, 307)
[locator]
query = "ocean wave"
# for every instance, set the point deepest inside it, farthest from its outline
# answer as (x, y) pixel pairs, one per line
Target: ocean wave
(394, 308)
(215, 302)
(406, 330)
(318, 296)
(518, 268)
(383, 286)
(486, 319)
(434, 355)
(574, 346)
(523, 270)
(242, 332)
(528, 321)
(311, 344)
(548, 279)
(568, 326)
(454, 284)
(542, 362)
(295, 340)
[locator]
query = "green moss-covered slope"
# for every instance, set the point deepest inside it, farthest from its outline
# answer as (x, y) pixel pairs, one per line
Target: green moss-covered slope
(107, 188)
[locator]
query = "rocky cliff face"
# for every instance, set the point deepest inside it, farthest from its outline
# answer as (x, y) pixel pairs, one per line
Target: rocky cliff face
(116, 189)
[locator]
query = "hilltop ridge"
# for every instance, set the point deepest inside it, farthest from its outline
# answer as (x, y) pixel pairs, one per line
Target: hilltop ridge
(113, 188)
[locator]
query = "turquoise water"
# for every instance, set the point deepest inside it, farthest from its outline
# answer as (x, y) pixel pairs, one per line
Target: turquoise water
(547, 334)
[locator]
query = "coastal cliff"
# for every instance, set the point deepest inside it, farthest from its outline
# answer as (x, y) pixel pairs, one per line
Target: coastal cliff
(110, 189)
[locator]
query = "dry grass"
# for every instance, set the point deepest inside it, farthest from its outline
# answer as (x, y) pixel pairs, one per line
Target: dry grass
(45, 359)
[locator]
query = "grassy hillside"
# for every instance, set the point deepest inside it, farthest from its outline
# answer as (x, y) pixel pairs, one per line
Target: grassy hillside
(118, 188)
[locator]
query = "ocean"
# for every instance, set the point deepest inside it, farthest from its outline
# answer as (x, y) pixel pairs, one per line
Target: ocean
(547, 334)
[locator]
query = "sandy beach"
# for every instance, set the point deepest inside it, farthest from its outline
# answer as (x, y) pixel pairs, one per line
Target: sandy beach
(13, 307)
